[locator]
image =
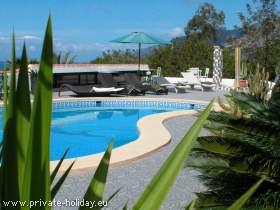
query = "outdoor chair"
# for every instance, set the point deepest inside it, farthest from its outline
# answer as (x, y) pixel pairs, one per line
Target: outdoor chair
(191, 80)
(195, 70)
(163, 82)
(134, 80)
(206, 74)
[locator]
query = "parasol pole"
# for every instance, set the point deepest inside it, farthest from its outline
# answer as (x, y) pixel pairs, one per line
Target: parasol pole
(139, 57)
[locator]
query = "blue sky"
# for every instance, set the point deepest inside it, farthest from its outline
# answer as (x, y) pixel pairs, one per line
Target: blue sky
(85, 27)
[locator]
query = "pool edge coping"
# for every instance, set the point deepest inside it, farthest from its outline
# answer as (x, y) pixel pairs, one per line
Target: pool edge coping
(150, 127)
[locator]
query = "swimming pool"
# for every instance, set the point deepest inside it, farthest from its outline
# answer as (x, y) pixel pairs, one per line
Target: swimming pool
(86, 127)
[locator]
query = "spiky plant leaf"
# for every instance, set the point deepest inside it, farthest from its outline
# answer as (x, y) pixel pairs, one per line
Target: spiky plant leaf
(55, 171)
(9, 175)
(113, 195)
(61, 180)
(96, 188)
(5, 98)
(37, 175)
(191, 205)
(157, 190)
(23, 111)
(258, 83)
(246, 196)
(125, 206)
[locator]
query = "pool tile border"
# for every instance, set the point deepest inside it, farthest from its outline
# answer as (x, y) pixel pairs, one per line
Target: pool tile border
(131, 103)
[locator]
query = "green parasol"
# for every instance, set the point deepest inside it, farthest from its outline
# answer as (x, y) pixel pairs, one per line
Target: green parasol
(140, 38)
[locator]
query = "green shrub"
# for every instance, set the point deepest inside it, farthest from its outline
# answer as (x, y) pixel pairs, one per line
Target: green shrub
(183, 54)
(228, 64)
(242, 146)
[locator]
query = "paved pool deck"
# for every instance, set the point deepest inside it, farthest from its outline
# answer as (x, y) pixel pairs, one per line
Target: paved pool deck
(132, 177)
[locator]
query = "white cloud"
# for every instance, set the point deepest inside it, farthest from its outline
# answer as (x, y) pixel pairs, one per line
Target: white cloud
(88, 51)
(32, 48)
(28, 37)
(1, 36)
(176, 32)
(20, 38)
(87, 47)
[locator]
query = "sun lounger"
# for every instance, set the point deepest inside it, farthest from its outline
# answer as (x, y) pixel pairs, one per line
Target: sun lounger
(90, 91)
(107, 80)
(133, 79)
(163, 82)
(191, 80)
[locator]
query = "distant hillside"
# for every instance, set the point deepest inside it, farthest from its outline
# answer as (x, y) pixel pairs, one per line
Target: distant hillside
(1, 64)
(223, 37)
(224, 34)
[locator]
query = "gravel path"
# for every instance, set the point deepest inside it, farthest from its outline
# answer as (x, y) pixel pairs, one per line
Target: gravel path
(132, 177)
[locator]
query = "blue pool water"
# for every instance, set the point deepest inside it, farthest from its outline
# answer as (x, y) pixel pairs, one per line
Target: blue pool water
(87, 128)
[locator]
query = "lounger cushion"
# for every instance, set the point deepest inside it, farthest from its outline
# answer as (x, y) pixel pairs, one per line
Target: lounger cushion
(101, 90)
(118, 89)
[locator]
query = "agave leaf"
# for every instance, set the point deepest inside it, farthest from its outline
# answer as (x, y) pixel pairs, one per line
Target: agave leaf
(1, 152)
(57, 186)
(158, 189)
(113, 195)
(23, 111)
(10, 179)
(12, 90)
(191, 205)
(246, 196)
(125, 206)
(95, 190)
(5, 98)
(5, 116)
(58, 165)
(37, 175)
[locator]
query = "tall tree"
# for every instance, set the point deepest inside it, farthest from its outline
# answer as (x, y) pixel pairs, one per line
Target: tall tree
(183, 54)
(261, 27)
(161, 57)
(206, 23)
